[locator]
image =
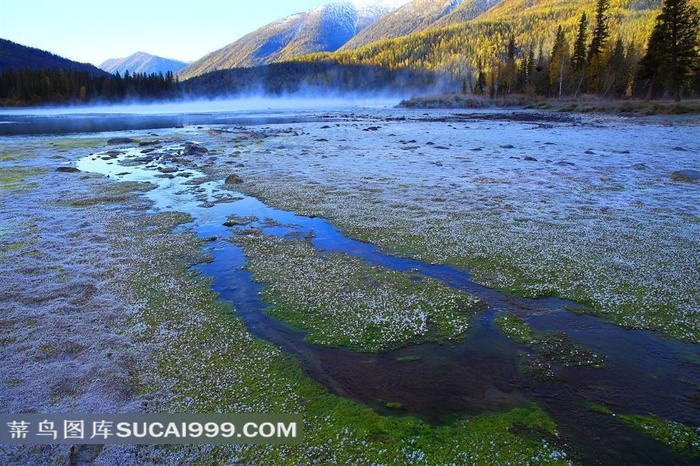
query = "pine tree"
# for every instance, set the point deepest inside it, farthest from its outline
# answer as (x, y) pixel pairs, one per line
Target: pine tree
(596, 64)
(600, 29)
(511, 68)
(616, 71)
(578, 60)
(480, 87)
(672, 52)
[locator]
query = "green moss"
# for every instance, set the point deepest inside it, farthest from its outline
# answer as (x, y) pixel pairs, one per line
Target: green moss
(409, 359)
(65, 144)
(513, 327)
(682, 439)
(548, 346)
(342, 301)
(15, 177)
(204, 360)
(596, 408)
(113, 193)
(10, 154)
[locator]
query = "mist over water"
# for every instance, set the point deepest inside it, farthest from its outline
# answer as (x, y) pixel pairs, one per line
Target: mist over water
(141, 116)
(252, 103)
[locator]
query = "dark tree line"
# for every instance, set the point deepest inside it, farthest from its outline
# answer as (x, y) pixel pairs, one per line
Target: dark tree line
(314, 77)
(58, 86)
(600, 66)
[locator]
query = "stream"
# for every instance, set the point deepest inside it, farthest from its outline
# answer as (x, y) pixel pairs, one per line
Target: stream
(643, 374)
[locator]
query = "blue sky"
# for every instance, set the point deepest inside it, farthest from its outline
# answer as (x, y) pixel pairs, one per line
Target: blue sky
(95, 30)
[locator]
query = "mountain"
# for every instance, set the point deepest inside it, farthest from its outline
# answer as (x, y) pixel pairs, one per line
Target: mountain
(477, 31)
(141, 62)
(415, 16)
(324, 29)
(20, 57)
(466, 11)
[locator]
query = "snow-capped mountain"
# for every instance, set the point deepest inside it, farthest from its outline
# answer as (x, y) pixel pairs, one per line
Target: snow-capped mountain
(323, 29)
(417, 16)
(141, 62)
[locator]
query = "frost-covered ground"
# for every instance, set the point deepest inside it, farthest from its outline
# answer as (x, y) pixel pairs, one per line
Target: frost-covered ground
(535, 204)
(100, 311)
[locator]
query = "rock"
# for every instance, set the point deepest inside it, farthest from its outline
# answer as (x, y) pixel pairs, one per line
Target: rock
(530, 159)
(148, 143)
(371, 128)
(120, 141)
(144, 159)
(686, 176)
(234, 179)
(193, 148)
(67, 170)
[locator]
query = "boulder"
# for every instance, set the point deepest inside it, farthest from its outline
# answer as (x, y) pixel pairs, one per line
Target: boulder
(686, 176)
(120, 141)
(234, 179)
(67, 170)
(193, 148)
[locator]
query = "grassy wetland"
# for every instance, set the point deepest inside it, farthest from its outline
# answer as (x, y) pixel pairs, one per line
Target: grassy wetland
(110, 306)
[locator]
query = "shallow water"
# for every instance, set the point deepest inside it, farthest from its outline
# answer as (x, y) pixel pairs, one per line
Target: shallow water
(644, 373)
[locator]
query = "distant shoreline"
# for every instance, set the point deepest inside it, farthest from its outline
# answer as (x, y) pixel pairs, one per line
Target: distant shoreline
(580, 105)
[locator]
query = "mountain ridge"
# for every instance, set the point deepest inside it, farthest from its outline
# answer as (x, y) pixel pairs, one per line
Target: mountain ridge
(322, 29)
(19, 57)
(142, 62)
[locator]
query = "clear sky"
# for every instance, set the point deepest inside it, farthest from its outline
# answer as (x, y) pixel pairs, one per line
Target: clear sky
(94, 30)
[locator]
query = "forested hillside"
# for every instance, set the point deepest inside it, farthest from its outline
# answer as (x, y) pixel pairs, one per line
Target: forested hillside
(416, 16)
(51, 86)
(19, 57)
(510, 47)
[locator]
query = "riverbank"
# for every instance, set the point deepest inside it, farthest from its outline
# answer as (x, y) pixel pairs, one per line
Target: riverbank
(582, 105)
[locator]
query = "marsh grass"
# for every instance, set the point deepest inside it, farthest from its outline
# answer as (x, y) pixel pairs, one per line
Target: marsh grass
(682, 439)
(550, 347)
(342, 301)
